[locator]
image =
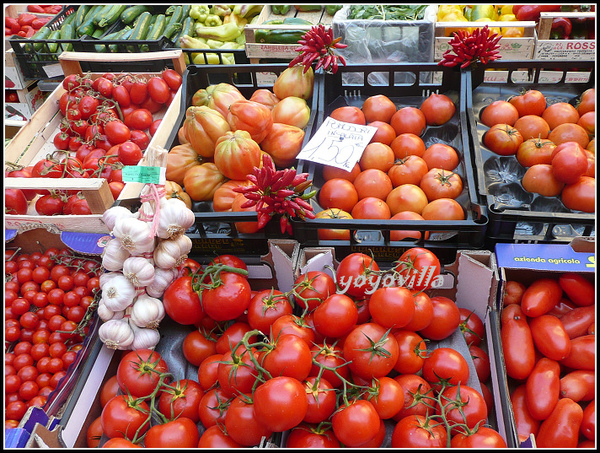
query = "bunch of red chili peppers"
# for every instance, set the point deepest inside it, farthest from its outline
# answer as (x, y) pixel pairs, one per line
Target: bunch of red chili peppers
(472, 48)
(318, 44)
(278, 192)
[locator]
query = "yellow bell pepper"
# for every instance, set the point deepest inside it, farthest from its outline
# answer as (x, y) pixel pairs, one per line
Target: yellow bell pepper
(505, 9)
(454, 17)
(444, 10)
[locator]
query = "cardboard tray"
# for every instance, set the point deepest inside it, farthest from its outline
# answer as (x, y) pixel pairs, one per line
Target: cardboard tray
(407, 84)
(471, 281)
(34, 141)
(272, 270)
(526, 263)
(563, 49)
(215, 231)
(508, 220)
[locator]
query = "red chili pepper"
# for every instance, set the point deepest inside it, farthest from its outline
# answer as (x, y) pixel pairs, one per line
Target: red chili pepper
(561, 28)
(532, 12)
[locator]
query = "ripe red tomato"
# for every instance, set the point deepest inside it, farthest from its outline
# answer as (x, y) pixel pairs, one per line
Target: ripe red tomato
(578, 288)
(329, 356)
(138, 372)
(357, 275)
(446, 319)
(392, 306)
(462, 405)
(339, 307)
(15, 202)
(308, 436)
(371, 351)
(532, 102)
(280, 403)
(123, 416)
(117, 132)
(569, 162)
(290, 357)
(581, 195)
(550, 336)
(173, 78)
(129, 153)
(242, 425)
(438, 109)
(182, 400)
(179, 433)
(139, 119)
(215, 437)
(312, 288)
(541, 296)
(546, 375)
(229, 299)
(182, 303)
(236, 373)
(499, 112)
(438, 183)
(503, 139)
(158, 90)
(419, 431)
(355, 423)
(482, 437)
(561, 428)
(445, 364)
(418, 267)
(471, 326)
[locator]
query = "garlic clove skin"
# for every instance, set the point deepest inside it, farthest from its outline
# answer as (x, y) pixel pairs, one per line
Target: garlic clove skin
(147, 312)
(118, 293)
(114, 255)
(144, 338)
(175, 218)
(162, 279)
(116, 334)
(111, 215)
(139, 271)
(135, 235)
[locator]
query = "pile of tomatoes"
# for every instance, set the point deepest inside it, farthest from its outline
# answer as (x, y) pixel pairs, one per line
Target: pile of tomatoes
(27, 24)
(554, 142)
(49, 299)
(107, 123)
(271, 362)
(548, 339)
(397, 176)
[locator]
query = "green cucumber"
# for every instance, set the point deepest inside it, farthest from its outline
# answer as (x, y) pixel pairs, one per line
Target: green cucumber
(42, 33)
(98, 32)
(123, 35)
(172, 30)
(132, 13)
(186, 11)
(186, 29)
(142, 26)
(112, 15)
(87, 26)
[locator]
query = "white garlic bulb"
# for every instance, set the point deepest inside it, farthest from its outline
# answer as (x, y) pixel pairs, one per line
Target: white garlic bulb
(135, 235)
(139, 271)
(147, 311)
(114, 255)
(116, 334)
(118, 293)
(174, 218)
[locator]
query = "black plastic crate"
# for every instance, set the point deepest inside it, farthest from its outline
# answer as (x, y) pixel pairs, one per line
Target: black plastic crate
(514, 214)
(34, 62)
(101, 45)
(407, 84)
(215, 231)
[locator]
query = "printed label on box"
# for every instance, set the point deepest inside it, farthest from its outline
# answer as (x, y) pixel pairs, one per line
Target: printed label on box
(564, 49)
(553, 257)
(146, 175)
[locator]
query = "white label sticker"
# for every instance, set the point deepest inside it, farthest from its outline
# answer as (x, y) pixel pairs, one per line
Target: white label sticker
(338, 144)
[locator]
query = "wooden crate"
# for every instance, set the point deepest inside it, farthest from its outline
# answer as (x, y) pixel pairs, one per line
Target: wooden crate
(256, 50)
(35, 140)
(510, 48)
(563, 49)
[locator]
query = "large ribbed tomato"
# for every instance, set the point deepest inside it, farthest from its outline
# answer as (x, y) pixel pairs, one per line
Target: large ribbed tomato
(201, 181)
(236, 154)
(202, 127)
(252, 117)
(218, 96)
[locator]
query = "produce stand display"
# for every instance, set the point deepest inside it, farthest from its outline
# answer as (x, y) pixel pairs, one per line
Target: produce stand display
(348, 329)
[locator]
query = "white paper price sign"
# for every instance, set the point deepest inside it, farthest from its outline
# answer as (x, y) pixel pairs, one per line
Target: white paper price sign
(338, 144)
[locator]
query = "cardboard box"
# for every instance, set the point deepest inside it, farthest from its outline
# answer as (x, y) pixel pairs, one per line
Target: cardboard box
(31, 99)
(510, 48)
(13, 75)
(527, 263)
(274, 270)
(256, 50)
(563, 49)
(35, 140)
(471, 281)
(37, 419)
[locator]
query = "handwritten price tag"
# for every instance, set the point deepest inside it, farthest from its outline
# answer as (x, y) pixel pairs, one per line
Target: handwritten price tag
(338, 144)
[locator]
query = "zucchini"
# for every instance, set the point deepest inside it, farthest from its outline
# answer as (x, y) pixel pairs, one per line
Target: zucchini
(122, 35)
(70, 19)
(142, 26)
(132, 13)
(186, 11)
(112, 15)
(172, 30)
(98, 32)
(157, 28)
(67, 31)
(53, 46)
(42, 33)
(81, 13)
(186, 29)
(87, 26)
(101, 13)
(177, 16)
